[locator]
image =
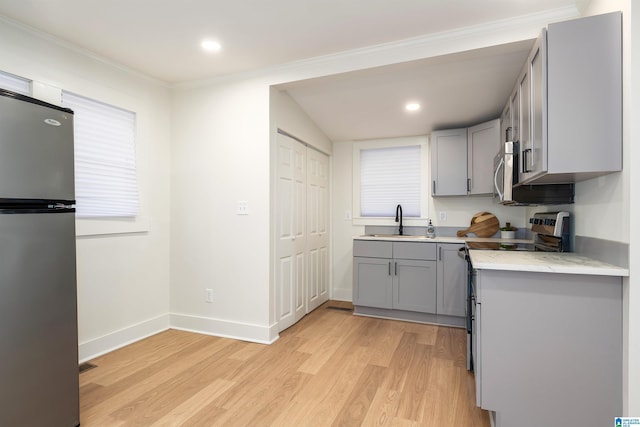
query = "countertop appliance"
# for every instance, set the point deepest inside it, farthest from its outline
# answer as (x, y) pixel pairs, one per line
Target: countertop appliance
(38, 308)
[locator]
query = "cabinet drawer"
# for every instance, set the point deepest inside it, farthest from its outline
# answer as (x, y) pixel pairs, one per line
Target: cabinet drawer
(372, 249)
(414, 250)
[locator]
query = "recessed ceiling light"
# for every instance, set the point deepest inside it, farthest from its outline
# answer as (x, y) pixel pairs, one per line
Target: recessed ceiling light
(412, 106)
(210, 45)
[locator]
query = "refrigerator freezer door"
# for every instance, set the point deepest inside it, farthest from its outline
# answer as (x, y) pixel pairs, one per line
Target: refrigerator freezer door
(38, 320)
(36, 151)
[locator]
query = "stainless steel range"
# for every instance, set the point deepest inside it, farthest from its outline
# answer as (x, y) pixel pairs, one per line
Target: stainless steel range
(552, 231)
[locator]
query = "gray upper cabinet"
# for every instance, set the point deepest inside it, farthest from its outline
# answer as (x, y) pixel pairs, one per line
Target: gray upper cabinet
(449, 162)
(505, 121)
(573, 108)
(483, 143)
(515, 115)
(462, 159)
(524, 119)
(452, 275)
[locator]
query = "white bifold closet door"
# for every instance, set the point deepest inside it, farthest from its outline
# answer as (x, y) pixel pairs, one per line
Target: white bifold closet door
(302, 215)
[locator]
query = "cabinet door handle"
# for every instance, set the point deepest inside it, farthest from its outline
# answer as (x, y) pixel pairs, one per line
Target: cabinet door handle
(526, 160)
(440, 253)
(468, 185)
(433, 190)
(395, 269)
(389, 268)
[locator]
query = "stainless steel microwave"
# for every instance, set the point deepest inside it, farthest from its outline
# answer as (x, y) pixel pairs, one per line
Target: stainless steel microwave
(508, 192)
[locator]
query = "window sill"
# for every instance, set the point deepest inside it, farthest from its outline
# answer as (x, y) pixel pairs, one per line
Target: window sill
(87, 227)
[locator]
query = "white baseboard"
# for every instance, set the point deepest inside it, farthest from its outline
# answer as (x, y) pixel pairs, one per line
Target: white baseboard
(96, 347)
(342, 294)
(224, 328)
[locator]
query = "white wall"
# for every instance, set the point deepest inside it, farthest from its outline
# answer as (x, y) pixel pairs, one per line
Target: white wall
(287, 115)
(123, 280)
(220, 155)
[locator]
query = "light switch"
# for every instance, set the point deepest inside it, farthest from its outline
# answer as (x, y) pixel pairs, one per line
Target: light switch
(243, 207)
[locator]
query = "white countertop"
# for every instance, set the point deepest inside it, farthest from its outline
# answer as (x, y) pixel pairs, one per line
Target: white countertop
(441, 239)
(545, 262)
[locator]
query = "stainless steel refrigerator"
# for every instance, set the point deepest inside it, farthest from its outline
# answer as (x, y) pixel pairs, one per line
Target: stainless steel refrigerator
(38, 308)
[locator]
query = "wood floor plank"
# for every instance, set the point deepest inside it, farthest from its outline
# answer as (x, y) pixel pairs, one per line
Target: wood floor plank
(383, 408)
(157, 402)
(102, 402)
(383, 342)
(399, 367)
(181, 413)
(413, 396)
(277, 360)
(327, 391)
(258, 394)
(357, 405)
(331, 368)
(116, 366)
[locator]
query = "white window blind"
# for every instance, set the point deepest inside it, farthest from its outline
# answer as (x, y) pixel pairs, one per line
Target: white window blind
(105, 163)
(389, 177)
(14, 83)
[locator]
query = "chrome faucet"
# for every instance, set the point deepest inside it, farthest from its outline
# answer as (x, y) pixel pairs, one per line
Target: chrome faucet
(399, 218)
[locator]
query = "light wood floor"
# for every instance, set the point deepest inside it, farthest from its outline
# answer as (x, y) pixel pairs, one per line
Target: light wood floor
(332, 368)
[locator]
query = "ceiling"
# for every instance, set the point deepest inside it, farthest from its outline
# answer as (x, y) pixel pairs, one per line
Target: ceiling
(161, 39)
(455, 90)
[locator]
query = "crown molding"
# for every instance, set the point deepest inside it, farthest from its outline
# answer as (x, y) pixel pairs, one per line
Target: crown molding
(430, 45)
(81, 51)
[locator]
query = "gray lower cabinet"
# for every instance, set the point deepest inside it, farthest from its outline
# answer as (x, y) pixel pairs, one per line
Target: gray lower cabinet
(373, 282)
(414, 285)
(417, 281)
(549, 348)
(451, 280)
(395, 275)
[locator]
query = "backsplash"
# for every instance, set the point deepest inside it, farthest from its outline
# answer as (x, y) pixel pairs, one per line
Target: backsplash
(521, 233)
(616, 253)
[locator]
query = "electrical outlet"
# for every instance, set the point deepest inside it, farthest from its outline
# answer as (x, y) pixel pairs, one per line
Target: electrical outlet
(243, 207)
(209, 295)
(442, 215)
(347, 215)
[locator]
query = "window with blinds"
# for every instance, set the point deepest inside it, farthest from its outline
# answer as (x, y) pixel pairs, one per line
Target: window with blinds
(14, 83)
(388, 177)
(105, 162)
